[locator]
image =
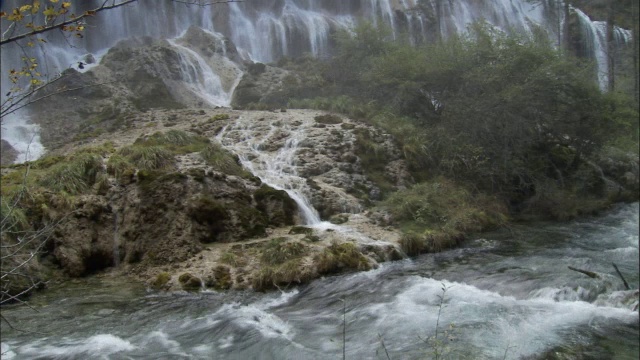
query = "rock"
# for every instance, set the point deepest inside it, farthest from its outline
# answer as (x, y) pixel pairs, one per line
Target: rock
(8, 154)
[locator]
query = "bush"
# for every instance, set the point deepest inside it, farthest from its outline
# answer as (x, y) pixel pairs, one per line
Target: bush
(340, 257)
(74, 176)
(279, 250)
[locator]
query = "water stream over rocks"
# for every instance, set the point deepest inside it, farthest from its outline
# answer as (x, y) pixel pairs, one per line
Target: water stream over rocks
(507, 292)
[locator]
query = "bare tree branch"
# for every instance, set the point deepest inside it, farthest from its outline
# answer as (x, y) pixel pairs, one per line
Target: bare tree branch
(66, 22)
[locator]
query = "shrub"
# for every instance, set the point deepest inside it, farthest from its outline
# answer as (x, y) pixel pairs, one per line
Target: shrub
(148, 157)
(223, 161)
(279, 250)
(340, 257)
(160, 280)
(329, 119)
(75, 175)
(217, 117)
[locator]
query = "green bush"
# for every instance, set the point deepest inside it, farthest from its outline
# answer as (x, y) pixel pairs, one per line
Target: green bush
(280, 250)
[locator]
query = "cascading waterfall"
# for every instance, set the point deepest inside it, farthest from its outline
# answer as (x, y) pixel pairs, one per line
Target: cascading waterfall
(595, 35)
(267, 31)
(200, 78)
(276, 168)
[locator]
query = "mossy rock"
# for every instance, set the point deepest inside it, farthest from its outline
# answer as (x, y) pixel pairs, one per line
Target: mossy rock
(190, 282)
(296, 230)
(311, 238)
(222, 278)
(328, 119)
(160, 281)
(276, 205)
(339, 219)
(211, 213)
(340, 257)
(279, 250)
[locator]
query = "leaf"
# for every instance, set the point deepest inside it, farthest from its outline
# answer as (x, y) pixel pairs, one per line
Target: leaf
(2, 14)
(66, 4)
(50, 11)
(25, 8)
(54, 1)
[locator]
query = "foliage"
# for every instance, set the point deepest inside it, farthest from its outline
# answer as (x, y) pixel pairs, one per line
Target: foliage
(223, 161)
(75, 175)
(279, 250)
(443, 205)
(339, 257)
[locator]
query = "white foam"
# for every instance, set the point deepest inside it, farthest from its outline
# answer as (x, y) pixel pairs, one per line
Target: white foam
(97, 345)
(6, 352)
(23, 136)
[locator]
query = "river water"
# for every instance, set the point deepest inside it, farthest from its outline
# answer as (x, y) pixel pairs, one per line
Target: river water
(508, 295)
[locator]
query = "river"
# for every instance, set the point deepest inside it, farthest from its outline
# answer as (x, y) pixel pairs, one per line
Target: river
(507, 295)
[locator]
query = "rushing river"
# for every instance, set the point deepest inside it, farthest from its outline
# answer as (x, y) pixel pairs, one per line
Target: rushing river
(508, 295)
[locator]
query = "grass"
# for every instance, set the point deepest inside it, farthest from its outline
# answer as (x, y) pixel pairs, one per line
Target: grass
(223, 161)
(339, 257)
(148, 157)
(269, 277)
(74, 176)
(443, 205)
(280, 250)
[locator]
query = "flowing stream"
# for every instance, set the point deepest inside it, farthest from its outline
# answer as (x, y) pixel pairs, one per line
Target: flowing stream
(509, 292)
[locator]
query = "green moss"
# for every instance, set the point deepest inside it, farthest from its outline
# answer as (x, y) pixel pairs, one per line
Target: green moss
(160, 281)
(295, 230)
(328, 119)
(211, 213)
(148, 157)
(222, 278)
(289, 272)
(339, 219)
(190, 282)
(279, 250)
(75, 175)
(218, 117)
(223, 161)
(340, 257)
(276, 205)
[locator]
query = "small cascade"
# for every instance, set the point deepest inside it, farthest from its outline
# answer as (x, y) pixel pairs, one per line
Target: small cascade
(268, 150)
(23, 136)
(200, 78)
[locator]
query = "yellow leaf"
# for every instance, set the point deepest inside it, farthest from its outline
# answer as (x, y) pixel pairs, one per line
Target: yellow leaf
(30, 44)
(25, 8)
(50, 12)
(54, 1)
(66, 4)
(36, 6)
(35, 81)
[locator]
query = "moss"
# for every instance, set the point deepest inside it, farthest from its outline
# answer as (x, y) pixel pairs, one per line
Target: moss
(252, 221)
(160, 281)
(211, 213)
(328, 119)
(311, 238)
(279, 250)
(219, 117)
(276, 205)
(222, 278)
(339, 219)
(190, 282)
(75, 175)
(270, 277)
(295, 230)
(340, 257)
(223, 161)
(148, 157)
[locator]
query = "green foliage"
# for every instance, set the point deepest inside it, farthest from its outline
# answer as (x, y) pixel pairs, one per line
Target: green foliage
(147, 157)
(328, 119)
(223, 161)
(441, 205)
(161, 280)
(280, 250)
(75, 175)
(338, 257)
(219, 117)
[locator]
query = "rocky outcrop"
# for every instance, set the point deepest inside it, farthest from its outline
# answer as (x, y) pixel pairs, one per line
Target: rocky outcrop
(7, 153)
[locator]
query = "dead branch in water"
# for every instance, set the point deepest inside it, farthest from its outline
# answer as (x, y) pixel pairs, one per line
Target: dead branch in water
(590, 274)
(626, 285)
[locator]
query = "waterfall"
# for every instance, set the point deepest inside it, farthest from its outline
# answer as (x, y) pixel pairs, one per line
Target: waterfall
(200, 78)
(595, 36)
(266, 31)
(268, 149)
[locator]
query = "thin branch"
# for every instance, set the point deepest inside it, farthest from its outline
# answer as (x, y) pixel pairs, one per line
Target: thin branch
(67, 22)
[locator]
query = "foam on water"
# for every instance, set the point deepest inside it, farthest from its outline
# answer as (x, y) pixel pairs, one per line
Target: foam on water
(23, 136)
(97, 346)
